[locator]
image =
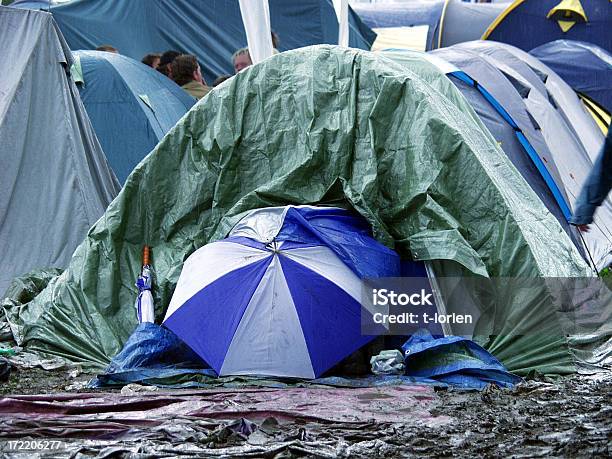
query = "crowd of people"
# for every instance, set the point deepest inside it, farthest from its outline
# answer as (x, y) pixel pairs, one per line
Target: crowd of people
(185, 70)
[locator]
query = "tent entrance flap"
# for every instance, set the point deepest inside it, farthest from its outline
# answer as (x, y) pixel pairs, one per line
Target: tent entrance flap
(567, 13)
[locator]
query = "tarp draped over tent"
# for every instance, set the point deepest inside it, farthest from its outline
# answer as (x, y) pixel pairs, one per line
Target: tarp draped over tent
(54, 180)
(530, 23)
(318, 125)
(210, 31)
(586, 67)
(568, 152)
(130, 105)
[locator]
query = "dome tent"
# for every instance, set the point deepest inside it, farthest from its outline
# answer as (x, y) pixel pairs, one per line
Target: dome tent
(54, 182)
(316, 125)
(563, 98)
(502, 110)
(569, 154)
(462, 21)
(131, 106)
(413, 25)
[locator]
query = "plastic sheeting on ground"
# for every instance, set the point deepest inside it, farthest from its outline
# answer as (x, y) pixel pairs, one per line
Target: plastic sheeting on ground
(54, 179)
(152, 353)
(319, 125)
(455, 361)
(130, 105)
(210, 31)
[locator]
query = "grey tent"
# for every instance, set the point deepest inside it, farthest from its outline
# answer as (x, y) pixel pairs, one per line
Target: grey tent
(414, 25)
(586, 67)
(502, 110)
(54, 181)
(564, 99)
(569, 154)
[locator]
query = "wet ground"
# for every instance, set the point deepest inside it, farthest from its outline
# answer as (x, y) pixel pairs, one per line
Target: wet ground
(569, 417)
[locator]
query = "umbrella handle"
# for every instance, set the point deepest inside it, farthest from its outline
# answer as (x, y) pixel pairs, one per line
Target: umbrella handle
(146, 256)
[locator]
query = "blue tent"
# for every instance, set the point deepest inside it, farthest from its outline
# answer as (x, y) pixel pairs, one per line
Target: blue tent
(587, 68)
(131, 106)
(210, 30)
(552, 115)
(530, 23)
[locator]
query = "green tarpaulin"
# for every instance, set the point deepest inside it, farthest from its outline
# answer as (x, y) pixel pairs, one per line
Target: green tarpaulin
(396, 141)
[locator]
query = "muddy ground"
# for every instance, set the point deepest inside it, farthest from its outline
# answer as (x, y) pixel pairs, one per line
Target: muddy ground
(567, 417)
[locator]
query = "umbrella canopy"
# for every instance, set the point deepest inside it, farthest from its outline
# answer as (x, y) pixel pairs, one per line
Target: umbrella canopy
(282, 295)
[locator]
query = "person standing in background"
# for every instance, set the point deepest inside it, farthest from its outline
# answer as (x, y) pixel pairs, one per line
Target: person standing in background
(108, 49)
(595, 188)
(241, 59)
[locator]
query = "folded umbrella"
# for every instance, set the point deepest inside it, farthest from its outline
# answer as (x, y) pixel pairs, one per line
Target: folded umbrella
(144, 303)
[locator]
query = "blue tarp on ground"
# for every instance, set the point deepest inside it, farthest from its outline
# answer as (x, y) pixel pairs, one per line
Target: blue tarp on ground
(130, 105)
(156, 356)
(455, 361)
(210, 30)
(152, 353)
(587, 68)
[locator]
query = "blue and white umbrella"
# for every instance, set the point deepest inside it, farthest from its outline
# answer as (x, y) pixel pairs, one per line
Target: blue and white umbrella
(281, 296)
